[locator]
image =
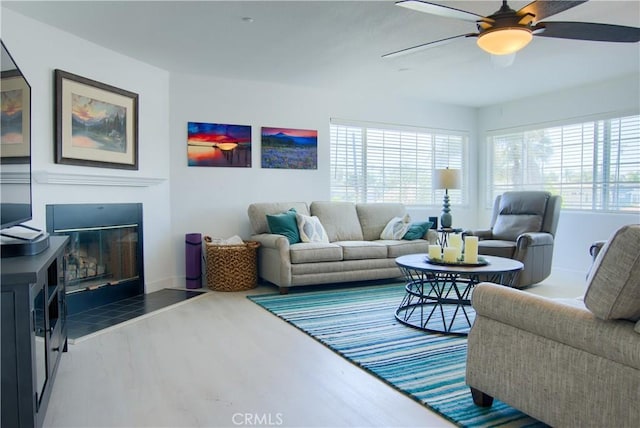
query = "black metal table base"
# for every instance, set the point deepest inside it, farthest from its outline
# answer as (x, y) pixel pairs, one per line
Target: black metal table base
(441, 302)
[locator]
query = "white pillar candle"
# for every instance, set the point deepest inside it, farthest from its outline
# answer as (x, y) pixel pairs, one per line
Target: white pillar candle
(471, 249)
(455, 241)
(435, 252)
(450, 254)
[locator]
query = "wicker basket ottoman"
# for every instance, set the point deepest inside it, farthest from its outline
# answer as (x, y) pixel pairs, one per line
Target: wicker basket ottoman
(232, 267)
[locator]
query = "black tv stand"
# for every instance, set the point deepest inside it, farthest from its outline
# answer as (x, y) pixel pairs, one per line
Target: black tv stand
(34, 333)
(14, 245)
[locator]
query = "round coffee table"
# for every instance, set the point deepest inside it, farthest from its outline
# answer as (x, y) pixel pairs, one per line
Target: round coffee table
(438, 297)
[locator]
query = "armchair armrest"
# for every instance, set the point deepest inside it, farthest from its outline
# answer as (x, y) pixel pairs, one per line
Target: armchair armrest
(595, 248)
(481, 234)
(533, 239)
(570, 324)
(535, 250)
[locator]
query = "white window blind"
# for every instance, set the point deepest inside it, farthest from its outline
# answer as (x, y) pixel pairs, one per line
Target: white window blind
(376, 163)
(593, 165)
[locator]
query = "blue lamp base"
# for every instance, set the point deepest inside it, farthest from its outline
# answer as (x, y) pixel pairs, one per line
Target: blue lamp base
(446, 220)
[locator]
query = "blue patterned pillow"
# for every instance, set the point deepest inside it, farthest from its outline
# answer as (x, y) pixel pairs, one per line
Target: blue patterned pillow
(311, 229)
(396, 228)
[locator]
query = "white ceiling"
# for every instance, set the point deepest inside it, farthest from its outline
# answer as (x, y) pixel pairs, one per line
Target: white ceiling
(339, 44)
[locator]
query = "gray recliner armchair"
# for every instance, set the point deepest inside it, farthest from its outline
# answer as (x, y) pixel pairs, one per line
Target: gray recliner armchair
(565, 362)
(523, 227)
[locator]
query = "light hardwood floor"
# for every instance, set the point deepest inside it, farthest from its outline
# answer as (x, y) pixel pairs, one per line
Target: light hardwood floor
(219, 360)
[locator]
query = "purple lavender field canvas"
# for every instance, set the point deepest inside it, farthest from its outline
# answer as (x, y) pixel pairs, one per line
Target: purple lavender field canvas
(286, 148)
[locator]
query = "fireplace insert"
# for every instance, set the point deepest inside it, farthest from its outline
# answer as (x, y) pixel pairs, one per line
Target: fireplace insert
(103, 261)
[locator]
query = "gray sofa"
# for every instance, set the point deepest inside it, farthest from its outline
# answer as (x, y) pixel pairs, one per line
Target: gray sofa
(354, 252)
(568, 363)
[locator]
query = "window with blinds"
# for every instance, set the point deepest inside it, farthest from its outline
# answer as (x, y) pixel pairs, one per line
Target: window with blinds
(593, 165)
(375, 163)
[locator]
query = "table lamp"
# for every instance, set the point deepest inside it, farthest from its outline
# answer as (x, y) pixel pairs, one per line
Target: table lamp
(446, 179)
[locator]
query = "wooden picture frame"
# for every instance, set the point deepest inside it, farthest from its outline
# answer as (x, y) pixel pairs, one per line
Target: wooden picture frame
(96, 124)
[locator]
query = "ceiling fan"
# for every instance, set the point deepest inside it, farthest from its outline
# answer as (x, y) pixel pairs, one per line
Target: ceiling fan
(507, 31)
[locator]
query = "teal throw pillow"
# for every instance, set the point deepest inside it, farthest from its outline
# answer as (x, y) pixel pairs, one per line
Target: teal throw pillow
(285, 224)
(417, 230)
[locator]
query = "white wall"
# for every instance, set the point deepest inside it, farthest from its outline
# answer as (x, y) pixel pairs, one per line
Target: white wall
(38, 49)
(196, 199)
(214, 200)
(576, 229)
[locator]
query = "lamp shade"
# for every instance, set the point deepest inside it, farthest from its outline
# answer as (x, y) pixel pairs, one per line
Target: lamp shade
(446, 179)
(504, 41)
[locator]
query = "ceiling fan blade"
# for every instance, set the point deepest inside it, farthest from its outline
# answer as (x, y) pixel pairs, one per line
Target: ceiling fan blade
(440, 10)
(418, 48)
(542, 9)
(589, 31)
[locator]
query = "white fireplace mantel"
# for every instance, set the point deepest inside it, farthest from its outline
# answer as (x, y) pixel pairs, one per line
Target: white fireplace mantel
(46, 177)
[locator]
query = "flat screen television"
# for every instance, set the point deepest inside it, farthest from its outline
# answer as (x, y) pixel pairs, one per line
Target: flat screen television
(15, 144)
(16, 239)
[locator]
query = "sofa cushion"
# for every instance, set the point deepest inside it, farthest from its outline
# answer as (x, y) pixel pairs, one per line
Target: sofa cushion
(311, 229)
(258, 213)
(520, 212)
(402, 247)
(284, 224)
(417, 230)
(374, 217)
(360, 250)
(396, 228)
(613, 285)
(494, 247)
(346, 271)
(314, 252)
(340, 220)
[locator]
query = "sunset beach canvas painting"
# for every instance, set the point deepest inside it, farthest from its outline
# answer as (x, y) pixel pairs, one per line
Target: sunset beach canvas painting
(289, 148)
(215, 144)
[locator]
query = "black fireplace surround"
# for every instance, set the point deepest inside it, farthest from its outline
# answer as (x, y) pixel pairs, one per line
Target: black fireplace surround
(103, 262)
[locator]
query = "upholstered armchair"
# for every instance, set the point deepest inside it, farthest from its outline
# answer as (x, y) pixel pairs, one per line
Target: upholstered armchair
(523, 227)
(565, 362)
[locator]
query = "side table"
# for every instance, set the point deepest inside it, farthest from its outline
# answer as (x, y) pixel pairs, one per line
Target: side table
(444, 232)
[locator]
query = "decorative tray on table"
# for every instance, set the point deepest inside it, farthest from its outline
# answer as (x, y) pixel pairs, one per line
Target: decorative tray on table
(460, 262)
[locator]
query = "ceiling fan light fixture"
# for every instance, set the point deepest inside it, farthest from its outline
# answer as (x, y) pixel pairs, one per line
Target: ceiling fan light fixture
(504, 41)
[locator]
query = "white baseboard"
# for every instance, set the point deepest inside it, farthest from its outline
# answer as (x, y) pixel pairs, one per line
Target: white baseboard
(151, 286)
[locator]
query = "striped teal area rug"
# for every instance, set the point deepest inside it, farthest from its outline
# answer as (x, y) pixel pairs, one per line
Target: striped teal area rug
(359, 324)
